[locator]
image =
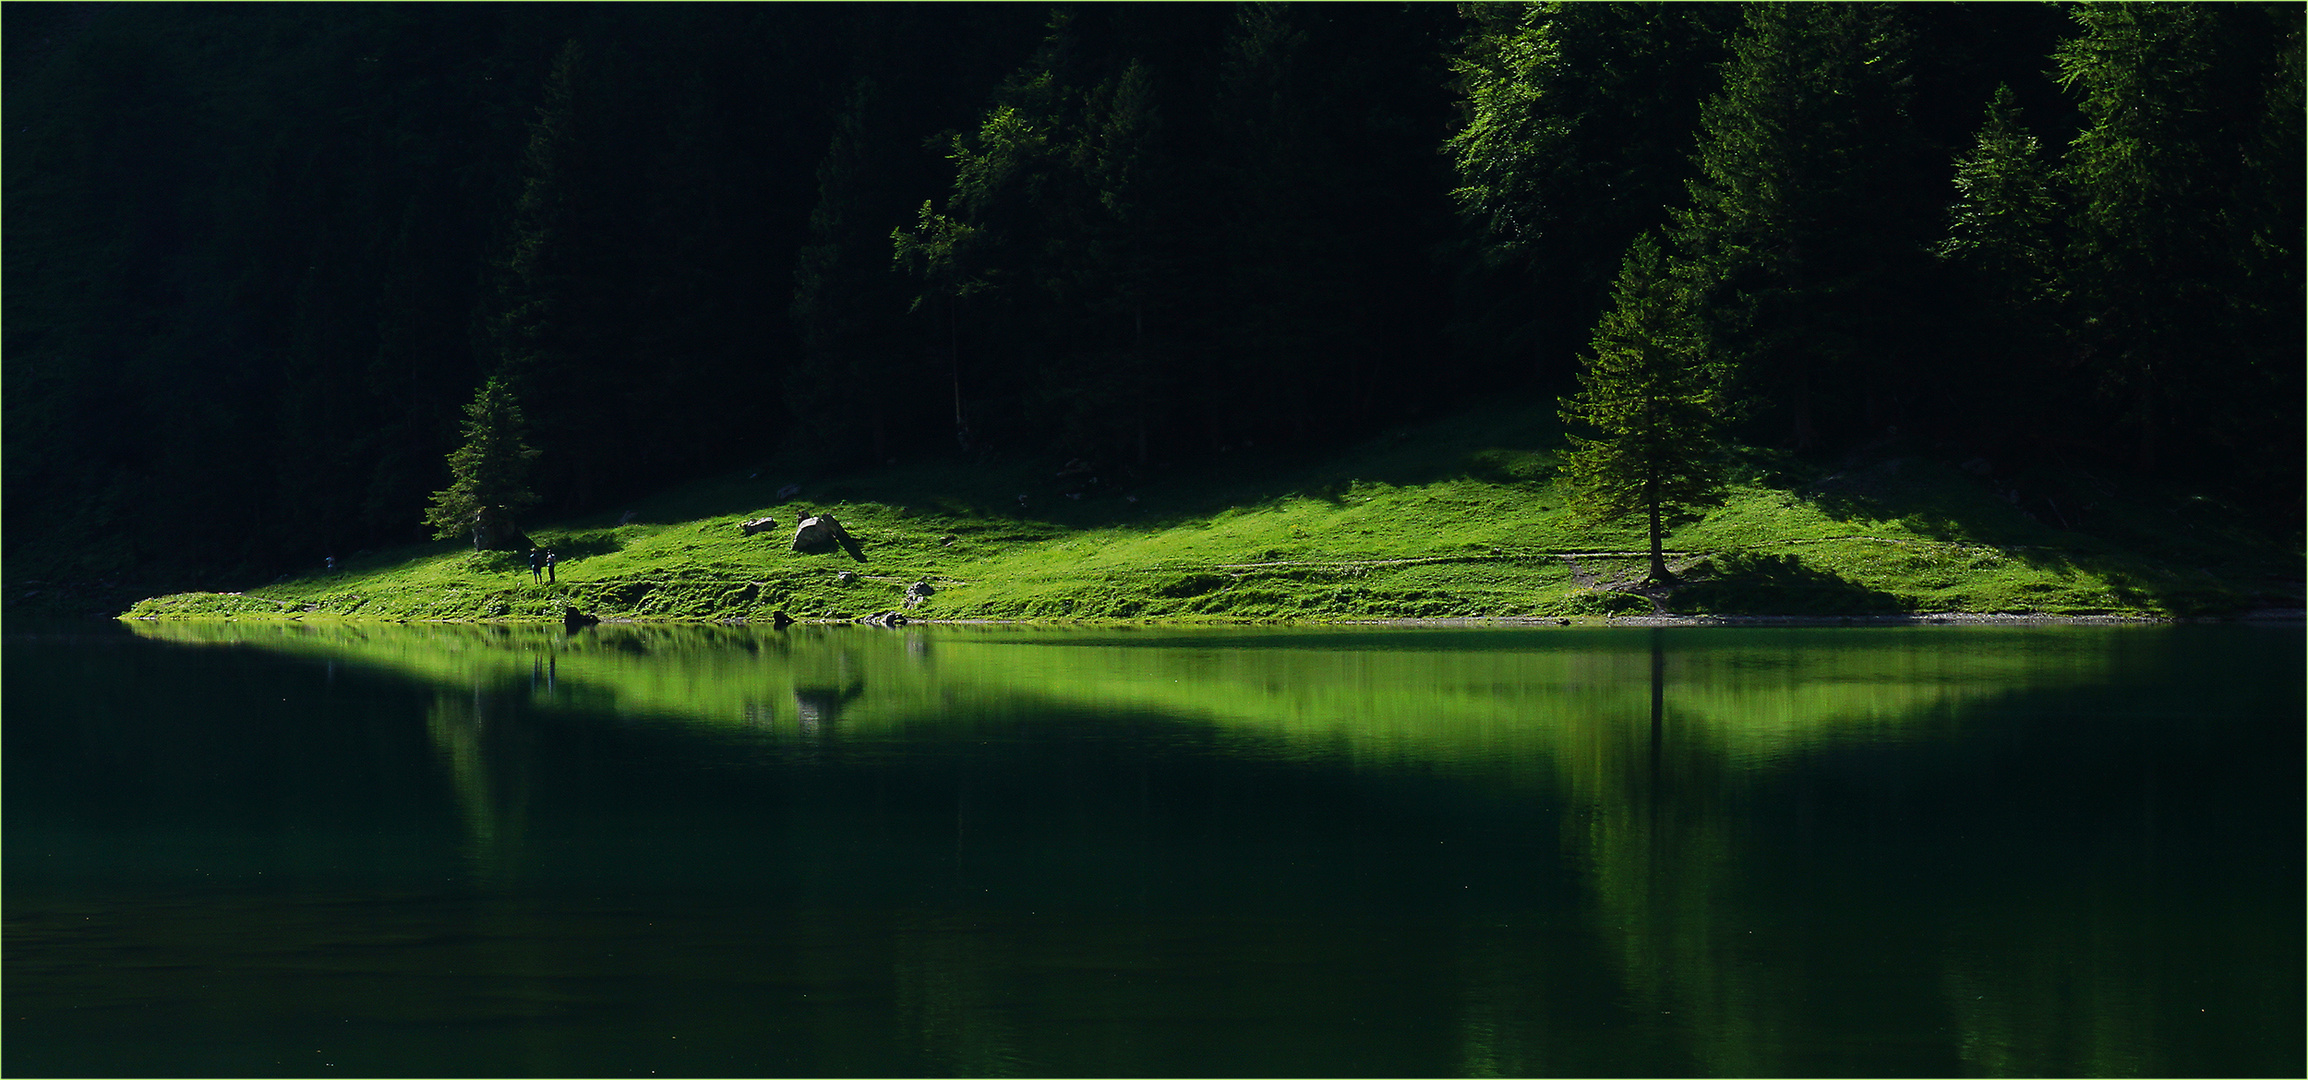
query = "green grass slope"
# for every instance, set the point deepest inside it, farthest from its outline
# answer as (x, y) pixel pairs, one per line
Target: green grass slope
(1460, 519)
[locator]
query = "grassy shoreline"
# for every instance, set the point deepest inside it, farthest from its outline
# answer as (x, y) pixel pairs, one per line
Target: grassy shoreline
(1463, 519)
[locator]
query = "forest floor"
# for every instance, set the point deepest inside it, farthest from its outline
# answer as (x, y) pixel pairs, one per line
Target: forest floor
(1459, 519)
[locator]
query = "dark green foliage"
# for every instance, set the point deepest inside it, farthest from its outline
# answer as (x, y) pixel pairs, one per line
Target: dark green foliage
(1577, 136)
(2005, 245)
(1809, 219)
(2187, 260)
(845, 297)
(490, 471)
(259, 258)
(1185, 585)
(2147, 283)
(2002, 224)
(1655, 403)
(249, 275)
(1177, 232)
(630, 279)
(1058, 247)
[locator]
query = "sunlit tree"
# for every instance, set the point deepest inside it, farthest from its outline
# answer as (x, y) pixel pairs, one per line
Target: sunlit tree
(1654, 402)
(489, 474)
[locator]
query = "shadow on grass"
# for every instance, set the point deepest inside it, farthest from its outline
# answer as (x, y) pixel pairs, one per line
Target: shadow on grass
(1510, 444)
(1513, 445)
(581, 544)
(2154, 550)
(1755, 584)
(1925, 497)
(2153, 547)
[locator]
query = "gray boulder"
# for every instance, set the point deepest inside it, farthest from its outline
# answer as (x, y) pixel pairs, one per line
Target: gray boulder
(819, 534)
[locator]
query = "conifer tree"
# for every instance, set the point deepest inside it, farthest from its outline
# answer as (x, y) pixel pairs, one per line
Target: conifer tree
(1576, 135)
(1655, 402)
(1810, 218)
(489, 474)
(845, 296)
(1055, 237)
(567, 310)
(2166, 174)
(1283, 261)
(977, 248)
(2003, 242)
(1125, 276)
(2001, 223)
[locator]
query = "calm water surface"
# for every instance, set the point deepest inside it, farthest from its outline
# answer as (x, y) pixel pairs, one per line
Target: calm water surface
(249, 849)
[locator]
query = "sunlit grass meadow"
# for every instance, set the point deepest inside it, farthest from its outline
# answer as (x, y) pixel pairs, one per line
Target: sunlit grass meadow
(1462, 519)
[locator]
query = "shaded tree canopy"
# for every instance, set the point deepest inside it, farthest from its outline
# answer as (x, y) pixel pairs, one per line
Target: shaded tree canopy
(261, 259)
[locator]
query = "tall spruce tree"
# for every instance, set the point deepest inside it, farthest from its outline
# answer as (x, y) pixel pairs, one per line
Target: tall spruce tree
(1655, 402)
(1576, 136)
(1124, 272)
(941, 250)
(1282, 181)
(2002, 222)
(539, 324)
(2004, 248)
(985, 252)
(1811, 218)
(2170, 227)
(489, 473)
(1055, 237)
(845, 300)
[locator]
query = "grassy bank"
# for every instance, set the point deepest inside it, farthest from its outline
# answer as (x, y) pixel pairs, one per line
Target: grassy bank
(1463, 518)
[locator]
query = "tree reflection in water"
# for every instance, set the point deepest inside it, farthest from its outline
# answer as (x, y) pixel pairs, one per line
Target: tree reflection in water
(1760, 852)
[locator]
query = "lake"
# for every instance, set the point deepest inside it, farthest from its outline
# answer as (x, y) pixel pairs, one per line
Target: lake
(260, 849)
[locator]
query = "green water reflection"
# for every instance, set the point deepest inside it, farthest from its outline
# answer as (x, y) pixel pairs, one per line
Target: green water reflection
(1923, 851)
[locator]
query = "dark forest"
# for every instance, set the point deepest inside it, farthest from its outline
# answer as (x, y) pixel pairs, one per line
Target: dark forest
(259, 259)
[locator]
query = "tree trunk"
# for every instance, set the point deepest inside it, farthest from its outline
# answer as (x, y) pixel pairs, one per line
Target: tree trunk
(954, 356)
(1804, 434)
(1658, 556)
(1138, 362)
(2146, 460)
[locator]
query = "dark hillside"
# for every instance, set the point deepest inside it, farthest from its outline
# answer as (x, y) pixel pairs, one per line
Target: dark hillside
(260, 258)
